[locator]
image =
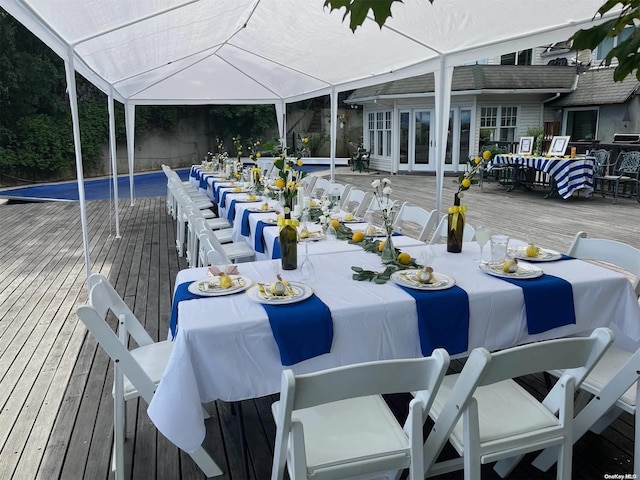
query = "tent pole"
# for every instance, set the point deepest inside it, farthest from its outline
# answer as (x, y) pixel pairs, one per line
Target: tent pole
(130, 122)
(114, 163)
(281, 118)
(334, 130)
(73, 102)
(443, 102)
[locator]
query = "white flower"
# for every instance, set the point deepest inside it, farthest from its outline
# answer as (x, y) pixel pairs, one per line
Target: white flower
(375, 183)
(323, 219)
(386, 181)
(387, 190)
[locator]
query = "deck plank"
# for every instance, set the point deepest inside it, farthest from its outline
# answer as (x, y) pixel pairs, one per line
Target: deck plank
(57, 402)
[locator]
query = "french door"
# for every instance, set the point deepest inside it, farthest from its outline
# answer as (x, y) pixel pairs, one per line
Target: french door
(416, 140)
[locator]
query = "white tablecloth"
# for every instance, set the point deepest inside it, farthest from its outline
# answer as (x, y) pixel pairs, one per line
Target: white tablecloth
(225, 350)
(570, 174)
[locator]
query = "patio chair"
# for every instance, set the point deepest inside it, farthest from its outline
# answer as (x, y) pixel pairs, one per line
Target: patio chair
(137, 372)
(604, 164)
(627, 173)
(335, 424)
(308, 183)
(321, 187)
(440, 233)
(487, 416)
(357, 201)
(416, 216)
(613, 383)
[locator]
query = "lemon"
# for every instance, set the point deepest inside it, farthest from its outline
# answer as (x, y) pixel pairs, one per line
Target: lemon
(358, 236)
(348, 217)
(225, 281)
(252, 197)
(381, 245)
(510, 266)
(466, 183)
(277, 288)
(531, 250)
(404, 258)
(486, 155)
(313, 203)
(280, 183)
(371, 230)
(304, 233)
(335, 224)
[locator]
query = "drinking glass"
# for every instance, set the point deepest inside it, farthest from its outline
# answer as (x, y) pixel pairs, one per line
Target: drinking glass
(307, 273)
(482, 237)
(499, 245)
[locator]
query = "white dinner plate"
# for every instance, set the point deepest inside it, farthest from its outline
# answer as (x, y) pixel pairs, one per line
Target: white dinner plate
(314, 236)
(353, 220)
(525, 271)
(544, 255)
(297, 293)
(259, 210)
(406, 278)
(210, 286)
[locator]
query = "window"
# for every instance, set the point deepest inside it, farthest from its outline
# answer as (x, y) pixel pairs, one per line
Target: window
(498, 124)
(523, 57)
(581, 124)
(379, 133)
(608, 43)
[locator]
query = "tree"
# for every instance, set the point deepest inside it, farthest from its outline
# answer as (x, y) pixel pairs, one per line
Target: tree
(627, 52)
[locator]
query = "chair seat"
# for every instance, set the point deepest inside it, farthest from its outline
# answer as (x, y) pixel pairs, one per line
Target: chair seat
(349, 431)
(224, 235)
(153, 359)
(518, 412)
(238, 250)
(217, 223)
(612, 361)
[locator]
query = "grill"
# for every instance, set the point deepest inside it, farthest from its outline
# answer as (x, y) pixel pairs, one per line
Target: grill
(626, 138)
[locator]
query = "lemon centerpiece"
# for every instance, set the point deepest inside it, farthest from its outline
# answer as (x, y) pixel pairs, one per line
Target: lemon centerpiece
(424, 275)
(348, 217)
(225, 281)
(532, 250)
(510, 265)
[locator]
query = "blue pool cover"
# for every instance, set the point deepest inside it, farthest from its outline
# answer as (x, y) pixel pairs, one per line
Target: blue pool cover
(145, 185)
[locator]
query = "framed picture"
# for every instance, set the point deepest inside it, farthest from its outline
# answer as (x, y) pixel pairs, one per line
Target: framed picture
(558, 146)
(525, 147)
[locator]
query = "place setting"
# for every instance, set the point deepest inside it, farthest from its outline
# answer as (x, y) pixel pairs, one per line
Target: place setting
(219, 282)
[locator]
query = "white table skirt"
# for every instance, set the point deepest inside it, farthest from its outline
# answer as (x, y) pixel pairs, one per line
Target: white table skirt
(225, 350)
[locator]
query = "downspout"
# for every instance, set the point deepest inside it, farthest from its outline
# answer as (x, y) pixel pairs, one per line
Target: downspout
(556, 96)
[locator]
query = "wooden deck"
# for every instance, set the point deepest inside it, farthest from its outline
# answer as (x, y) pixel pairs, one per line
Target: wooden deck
(55, 384)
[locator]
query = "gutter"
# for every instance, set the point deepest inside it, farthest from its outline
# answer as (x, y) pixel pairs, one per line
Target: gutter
(461, 93)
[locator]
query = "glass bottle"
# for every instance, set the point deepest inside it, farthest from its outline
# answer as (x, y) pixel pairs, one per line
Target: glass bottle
(289, 244)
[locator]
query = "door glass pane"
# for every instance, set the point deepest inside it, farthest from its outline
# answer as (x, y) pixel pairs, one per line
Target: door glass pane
(465, 132)
(581, 124)
(404, 137)
(422, 139)
(448, 154)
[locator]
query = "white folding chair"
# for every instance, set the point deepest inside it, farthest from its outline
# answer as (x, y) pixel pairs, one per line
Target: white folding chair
(234, 251)
(487, 416)
(335, 424)
(357, 201)
(440, 233)
(320, 187)
(308, 183)
(137, 372)
(418, 216)
(207, 254)
(613, 383)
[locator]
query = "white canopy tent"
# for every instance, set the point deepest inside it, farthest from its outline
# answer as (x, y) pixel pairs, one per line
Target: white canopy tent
(180, 52)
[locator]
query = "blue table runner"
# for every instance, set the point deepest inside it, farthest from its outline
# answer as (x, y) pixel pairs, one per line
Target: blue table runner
(302, 330)
(443, 319)
(181, 293)
(259, 239)
(548, 302)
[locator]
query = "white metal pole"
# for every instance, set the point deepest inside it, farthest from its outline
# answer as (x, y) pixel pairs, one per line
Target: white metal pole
(334, 130)
(130, 124)
(73, 102)
(443, 79)
(114, 163)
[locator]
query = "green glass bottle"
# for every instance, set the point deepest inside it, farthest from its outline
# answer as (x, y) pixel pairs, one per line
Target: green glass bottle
(289, 244)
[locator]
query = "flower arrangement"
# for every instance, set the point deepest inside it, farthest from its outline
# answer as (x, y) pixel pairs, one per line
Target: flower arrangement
(254, 149)
(381, 191)
(289, 173)
(221, 153)
(237, 143)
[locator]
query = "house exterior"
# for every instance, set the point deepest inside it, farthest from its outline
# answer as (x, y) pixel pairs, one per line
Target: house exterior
(496, 104)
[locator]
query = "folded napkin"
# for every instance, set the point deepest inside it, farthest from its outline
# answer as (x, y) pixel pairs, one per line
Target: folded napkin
(276, 249)
(548, 301)
(223, 198)
(245, 229)
(203, 182)
(302, 330)
(181, 293)
(231, 212)
(259, 239)
(193, 172)
(443, 319)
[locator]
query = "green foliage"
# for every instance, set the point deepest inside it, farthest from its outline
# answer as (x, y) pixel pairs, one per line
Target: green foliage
(627, 51)
(359, 9)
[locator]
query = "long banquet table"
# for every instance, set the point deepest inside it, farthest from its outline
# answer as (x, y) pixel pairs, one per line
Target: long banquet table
(569, 174)
(224, 347)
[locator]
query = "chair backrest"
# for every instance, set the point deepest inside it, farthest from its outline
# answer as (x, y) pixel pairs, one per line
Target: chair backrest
(421, 375)
(603, 158)
(321, 187)
(576, 355)
(355, 199)
(102, 298)
(308, 183)
(629, 163)
(611, 251)
(440, 232)
(210, 251)
(419, 216)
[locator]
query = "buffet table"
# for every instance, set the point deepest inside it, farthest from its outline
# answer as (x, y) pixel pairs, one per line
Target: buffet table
(567, 174)
(225, 348)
